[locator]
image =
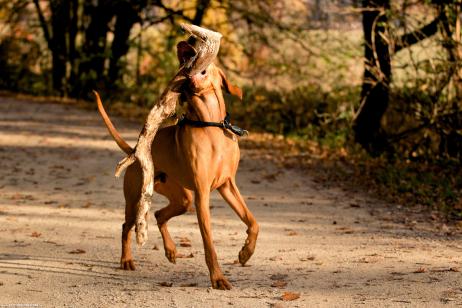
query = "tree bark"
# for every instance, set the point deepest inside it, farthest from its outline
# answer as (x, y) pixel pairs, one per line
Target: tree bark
(91, 67)
(376, 78)
(56, 39)
(73, 30)
(60, 16)
(418, 35)
(201, 9)
(126, 16)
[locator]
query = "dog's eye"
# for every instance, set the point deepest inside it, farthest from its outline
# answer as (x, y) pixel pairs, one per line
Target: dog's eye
(203, 72)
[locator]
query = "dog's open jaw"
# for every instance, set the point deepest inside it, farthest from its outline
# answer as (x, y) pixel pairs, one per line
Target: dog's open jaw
(207, 44)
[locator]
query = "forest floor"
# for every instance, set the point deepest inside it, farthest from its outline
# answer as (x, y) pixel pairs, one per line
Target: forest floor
(61, 211)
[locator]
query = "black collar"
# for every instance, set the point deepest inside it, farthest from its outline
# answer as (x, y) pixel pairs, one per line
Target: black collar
(224, 124)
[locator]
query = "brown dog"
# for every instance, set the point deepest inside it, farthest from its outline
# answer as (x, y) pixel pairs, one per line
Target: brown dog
(191, 159)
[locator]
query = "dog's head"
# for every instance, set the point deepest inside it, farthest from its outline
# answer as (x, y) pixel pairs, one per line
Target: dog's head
(212, 76)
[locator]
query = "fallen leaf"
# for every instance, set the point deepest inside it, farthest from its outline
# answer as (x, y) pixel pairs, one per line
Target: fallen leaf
(192, 284)
(275, 258)
(36, 234)
(290, 296)
(182, 256)
(272, 176)
(155, 247)
(185, 242)
(166, 284)
(77, 251)
(87, 205)
(279, 284)
(420, 270)
(16, 196)
(309, 258)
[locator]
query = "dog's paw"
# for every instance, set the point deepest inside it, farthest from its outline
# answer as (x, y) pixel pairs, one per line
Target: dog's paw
(128, 265)
(221, 283)
(246, 252)
(171, 255)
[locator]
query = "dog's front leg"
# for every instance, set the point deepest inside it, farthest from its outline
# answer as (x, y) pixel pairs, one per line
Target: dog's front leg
(202, 198)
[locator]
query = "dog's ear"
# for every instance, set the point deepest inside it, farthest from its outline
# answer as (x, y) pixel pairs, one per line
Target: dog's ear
(230, 88)
(185, 51)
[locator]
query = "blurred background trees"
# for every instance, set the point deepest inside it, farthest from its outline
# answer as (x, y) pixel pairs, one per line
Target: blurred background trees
(383, 73)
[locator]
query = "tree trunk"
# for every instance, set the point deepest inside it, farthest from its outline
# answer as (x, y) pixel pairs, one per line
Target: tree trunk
(91, 68)
(127, 16)
(56, 40)
(201, 9)
(376, 79)
(73, 30)
(60, 15)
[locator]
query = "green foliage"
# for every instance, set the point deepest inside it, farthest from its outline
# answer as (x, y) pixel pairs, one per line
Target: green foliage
(438, 185)
(17, 60)
(306, 113)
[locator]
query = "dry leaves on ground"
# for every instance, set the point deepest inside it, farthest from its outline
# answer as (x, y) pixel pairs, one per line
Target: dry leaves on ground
(279, 284)
(185, 242)
(77, 251)
(290, 296)
(183, 256)
(166, 284)
(36, 234)
(420, 270)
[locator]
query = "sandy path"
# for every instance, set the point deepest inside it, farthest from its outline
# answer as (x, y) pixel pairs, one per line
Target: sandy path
(61, 211)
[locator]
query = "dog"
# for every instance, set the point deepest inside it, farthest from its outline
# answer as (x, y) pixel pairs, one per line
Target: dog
(191, 160)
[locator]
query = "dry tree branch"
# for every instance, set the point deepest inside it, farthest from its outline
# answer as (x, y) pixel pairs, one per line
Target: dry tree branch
(206, 44)
(43, 23)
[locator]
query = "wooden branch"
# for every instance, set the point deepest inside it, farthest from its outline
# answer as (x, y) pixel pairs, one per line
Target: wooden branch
(201, 9)
(43, 23)
(418, 35)
(206, 44)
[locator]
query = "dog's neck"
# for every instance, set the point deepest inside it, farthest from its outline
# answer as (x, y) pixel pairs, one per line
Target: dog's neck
(206, 105)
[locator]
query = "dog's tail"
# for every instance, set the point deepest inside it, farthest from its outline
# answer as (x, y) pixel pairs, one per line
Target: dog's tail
(110, 127)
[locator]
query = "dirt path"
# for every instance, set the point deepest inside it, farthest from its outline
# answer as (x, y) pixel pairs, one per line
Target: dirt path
(61, 211)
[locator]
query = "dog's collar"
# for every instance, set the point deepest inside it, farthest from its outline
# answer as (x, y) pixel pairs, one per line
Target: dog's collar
(224, 124)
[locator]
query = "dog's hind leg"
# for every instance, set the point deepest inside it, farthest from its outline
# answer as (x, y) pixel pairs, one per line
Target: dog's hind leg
(180, 199)
(132, 190)
(231, 194)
